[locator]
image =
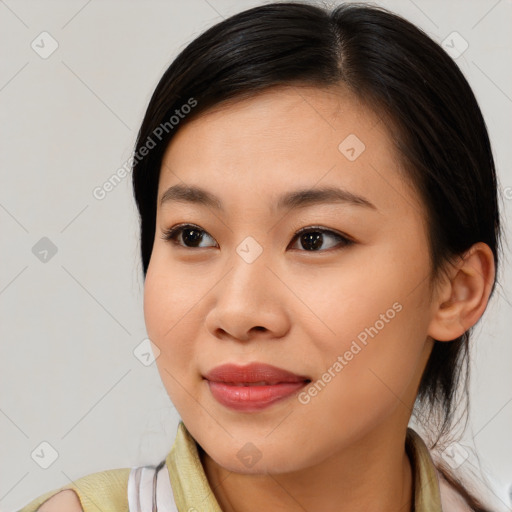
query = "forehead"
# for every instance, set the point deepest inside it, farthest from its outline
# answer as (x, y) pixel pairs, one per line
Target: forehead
(279, 115)
(283, 138)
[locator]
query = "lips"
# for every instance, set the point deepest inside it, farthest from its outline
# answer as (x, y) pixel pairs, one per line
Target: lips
(253, 374)
(253, 387)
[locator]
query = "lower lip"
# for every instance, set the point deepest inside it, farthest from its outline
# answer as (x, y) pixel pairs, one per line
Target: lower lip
(253, 398)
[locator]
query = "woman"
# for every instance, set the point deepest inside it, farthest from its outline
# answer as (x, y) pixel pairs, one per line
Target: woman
(319, 234)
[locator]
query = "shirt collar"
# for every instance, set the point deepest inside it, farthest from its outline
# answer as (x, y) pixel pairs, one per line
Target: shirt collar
(426, 492)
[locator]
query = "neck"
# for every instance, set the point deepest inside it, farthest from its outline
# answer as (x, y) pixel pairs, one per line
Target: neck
(374, 475)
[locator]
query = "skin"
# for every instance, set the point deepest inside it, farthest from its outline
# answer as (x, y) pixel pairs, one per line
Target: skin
(299, 309)
(63, 501)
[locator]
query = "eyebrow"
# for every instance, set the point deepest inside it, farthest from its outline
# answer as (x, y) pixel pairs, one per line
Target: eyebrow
(292, 200)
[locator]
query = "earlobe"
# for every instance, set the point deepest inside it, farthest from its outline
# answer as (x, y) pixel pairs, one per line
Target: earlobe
(464, 296)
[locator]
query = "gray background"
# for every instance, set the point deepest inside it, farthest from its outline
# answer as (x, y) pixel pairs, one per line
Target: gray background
(70, 323)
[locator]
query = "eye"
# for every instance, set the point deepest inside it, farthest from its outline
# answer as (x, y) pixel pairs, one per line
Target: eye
(192, 234)
(313, 237)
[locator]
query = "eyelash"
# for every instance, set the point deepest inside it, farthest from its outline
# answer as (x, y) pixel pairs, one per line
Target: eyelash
(170, 235)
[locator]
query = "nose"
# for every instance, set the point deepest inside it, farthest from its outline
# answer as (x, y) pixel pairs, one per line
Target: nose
(248, 302)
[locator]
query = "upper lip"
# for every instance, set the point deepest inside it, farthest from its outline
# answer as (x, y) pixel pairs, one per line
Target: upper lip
(253, 372)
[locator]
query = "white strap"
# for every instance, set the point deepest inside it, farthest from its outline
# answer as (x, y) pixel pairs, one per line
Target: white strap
(141, 490)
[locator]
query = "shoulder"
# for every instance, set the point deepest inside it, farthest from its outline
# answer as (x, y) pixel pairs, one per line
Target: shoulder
(105, 489)
(63, 501)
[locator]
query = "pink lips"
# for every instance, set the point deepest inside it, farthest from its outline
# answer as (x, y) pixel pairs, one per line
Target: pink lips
(252, 387)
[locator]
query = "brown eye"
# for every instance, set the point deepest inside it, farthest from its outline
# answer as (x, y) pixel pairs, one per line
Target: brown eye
(188, 235)
(313, 238)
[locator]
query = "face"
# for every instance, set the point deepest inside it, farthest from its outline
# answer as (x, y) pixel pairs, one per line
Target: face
(344, 304)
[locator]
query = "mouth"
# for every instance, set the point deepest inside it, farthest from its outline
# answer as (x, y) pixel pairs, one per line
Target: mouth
(253, 387)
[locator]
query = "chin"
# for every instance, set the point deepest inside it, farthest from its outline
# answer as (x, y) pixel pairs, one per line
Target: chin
(249, 460)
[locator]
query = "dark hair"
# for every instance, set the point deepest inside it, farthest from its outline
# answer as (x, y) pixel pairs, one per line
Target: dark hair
(393, 67)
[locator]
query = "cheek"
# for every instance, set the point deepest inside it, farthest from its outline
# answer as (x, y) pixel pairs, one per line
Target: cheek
(165, 297)
(155, 303)
(165, 314)
(351, 300)
(168, 314)
(378, 319)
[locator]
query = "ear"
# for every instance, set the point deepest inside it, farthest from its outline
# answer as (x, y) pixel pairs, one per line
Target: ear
(463, 295)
